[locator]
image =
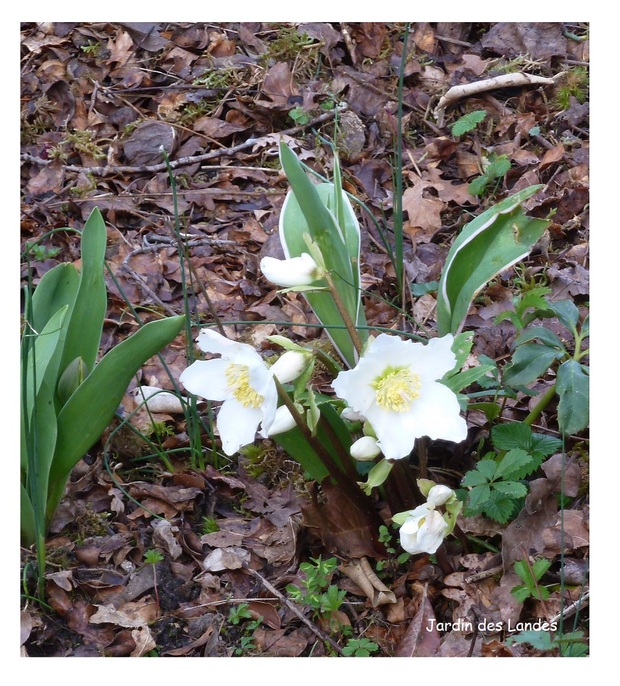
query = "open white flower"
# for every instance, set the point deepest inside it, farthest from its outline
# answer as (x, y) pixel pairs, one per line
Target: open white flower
(242, 380)
(423, 531)
(296, 271)
(395, 387)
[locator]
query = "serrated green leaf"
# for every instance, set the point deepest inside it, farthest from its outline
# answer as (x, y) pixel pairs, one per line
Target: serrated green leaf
(468, 122)
(545, 445)
(530, 362)
(478, 497)
(511, 435)
(500, 507)
(487, 468)
(478, 185)
(521, 593)
(514, 463)
(541, 567)
(512, 489)
(474, 478)
(498, 167)
(573, 387)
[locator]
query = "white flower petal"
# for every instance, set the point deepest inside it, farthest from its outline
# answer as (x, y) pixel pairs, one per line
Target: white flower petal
(282, 422)
(207, 379)
(237, 425)
(423, 534)
(296, 271)
(210, 341)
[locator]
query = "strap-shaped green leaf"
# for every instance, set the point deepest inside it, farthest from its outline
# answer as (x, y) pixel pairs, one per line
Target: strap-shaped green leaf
(89, 410)
(57, 288)
(492, 242)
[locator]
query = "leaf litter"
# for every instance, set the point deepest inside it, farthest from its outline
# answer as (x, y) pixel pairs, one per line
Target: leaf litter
(98, 101)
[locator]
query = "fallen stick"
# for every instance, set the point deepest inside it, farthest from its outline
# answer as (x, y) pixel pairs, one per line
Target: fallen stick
(503, 81)
(109, 170)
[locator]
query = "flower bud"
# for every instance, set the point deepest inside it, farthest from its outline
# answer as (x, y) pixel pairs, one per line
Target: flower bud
(283, 421)
(296, 271)
(423, 531)
(289, 366)
(365, 449)
(439, 495)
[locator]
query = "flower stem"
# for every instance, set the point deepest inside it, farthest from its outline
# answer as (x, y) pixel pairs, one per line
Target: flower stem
(544, 400)
(344, 313)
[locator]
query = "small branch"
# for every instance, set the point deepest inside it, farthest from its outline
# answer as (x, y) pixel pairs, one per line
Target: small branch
(184, 161)
(321, 635)
(503, 81)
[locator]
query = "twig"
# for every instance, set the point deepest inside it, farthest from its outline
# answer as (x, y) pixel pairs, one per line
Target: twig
(503, 81)
(294, 609)
(183, 161)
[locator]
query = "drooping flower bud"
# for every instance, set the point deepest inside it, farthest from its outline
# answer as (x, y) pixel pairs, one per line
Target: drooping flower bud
(296, 271)
(289, 366)
(365, 449)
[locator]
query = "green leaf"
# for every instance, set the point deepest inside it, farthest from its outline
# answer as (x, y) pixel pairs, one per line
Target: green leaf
(511, 435)
(514, 463)
(567, 312)
(468, 122)
(314, 209)
(541, 567)
(478, 185)
(500, 507)
(512, 489)
(541, 640)
(521, 593)
(56, 289)
(545, 445)
(85, 320)
(529, 362)
(464, 379)
(90, 409)
(478, 497)
(474, 478)
(498, 167)
(543, 334)
(573, 387)
(495, 240)
(487, 468)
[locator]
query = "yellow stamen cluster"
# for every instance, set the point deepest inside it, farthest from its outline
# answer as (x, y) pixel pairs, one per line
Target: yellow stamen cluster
(396, 389)
(238, 380)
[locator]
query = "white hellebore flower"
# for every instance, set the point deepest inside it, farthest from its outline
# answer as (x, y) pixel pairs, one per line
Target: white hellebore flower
(242, 380)
(423, 531)
(365, 449)
(395, 387)
(296, 271)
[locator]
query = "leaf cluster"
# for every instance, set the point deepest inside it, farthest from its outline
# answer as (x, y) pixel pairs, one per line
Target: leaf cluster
(496, 487)
(316, 591)
(497, 167)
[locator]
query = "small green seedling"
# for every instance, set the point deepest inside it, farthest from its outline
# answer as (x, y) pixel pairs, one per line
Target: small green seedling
(531, 574)
(359, 647)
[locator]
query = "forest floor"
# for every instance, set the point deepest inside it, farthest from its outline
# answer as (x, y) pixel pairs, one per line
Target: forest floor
(175, 558)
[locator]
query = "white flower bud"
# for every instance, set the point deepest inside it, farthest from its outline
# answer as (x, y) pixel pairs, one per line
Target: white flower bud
(439, 495)
(289, 366)
(365, 449)
(297, 271)
(423, 531)
(283, 421)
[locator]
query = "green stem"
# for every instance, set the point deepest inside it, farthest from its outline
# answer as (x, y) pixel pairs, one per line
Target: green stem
(543, 401)
(346, 318)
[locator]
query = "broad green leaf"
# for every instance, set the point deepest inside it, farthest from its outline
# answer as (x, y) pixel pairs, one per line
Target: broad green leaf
(543, 334)
(85, 319)
(573, 387)
(474, 478)
(567, 312)
(313, 209)
(462, 380)
(90, 409)
(545, 445)
(56, 289)
(529, 362)
(495, 240)
(512, 464)
(487, 467)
